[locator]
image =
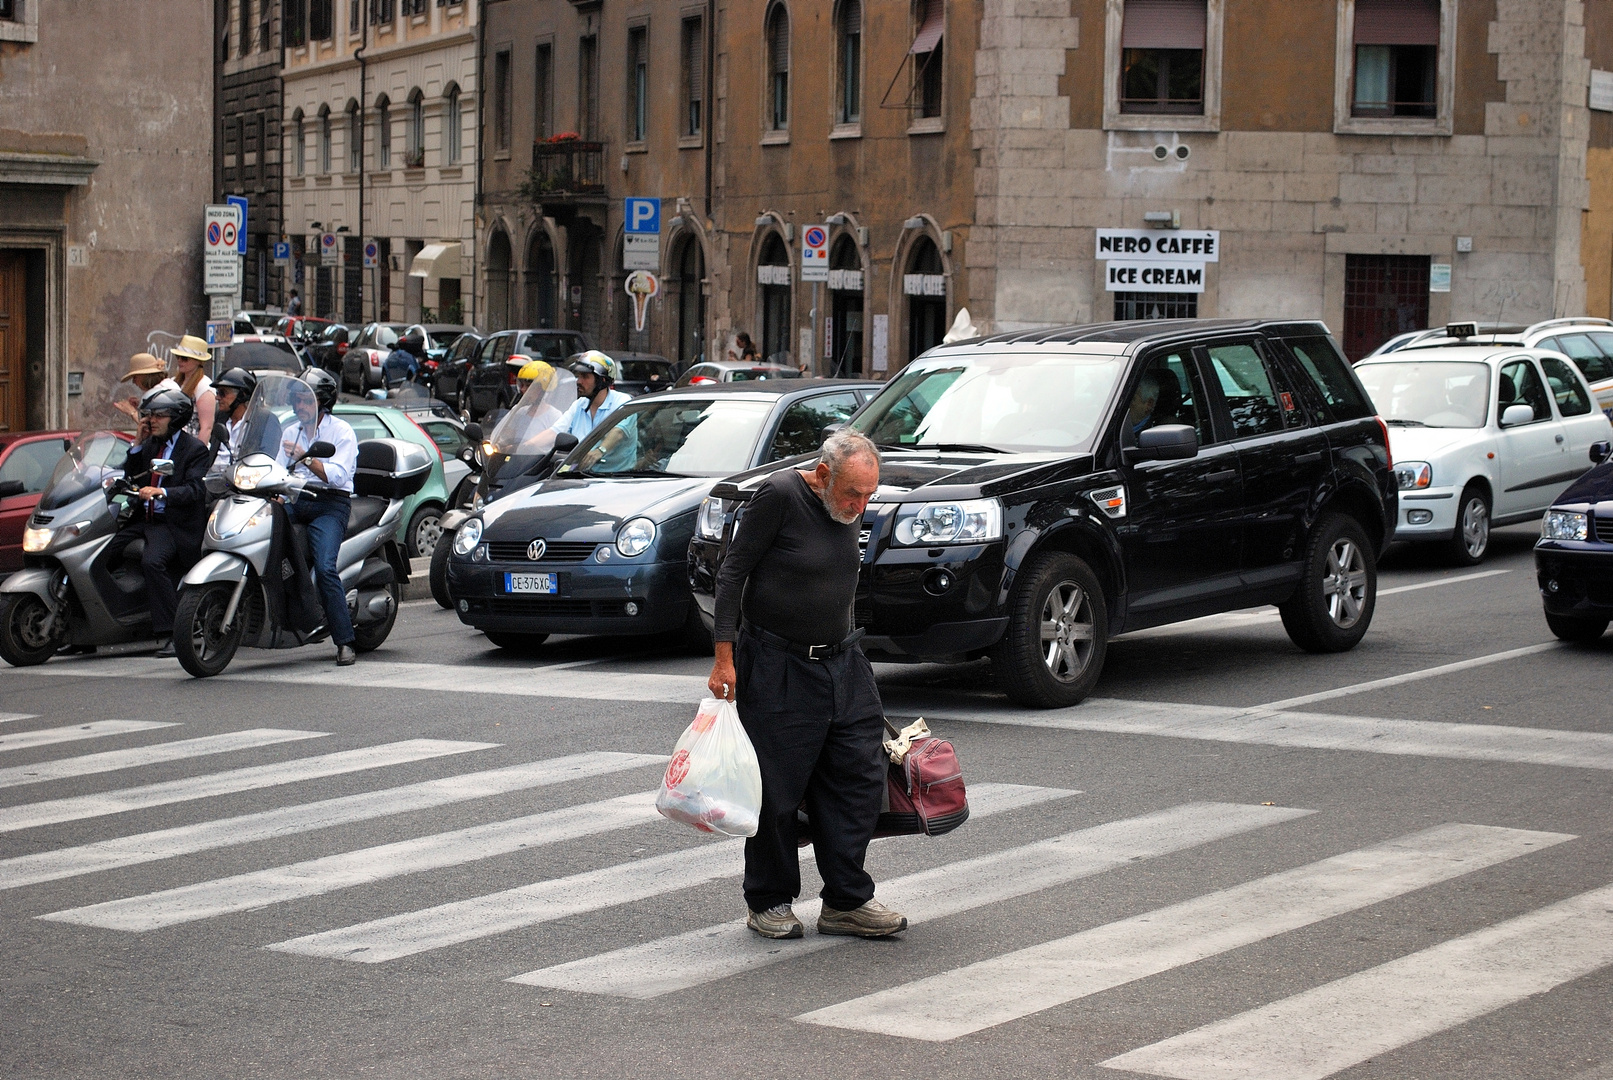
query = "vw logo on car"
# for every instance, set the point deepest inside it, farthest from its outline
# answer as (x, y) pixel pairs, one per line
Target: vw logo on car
(534, 550)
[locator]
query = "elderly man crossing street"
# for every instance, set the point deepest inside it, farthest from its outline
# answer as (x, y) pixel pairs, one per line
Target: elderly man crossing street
(788, 657)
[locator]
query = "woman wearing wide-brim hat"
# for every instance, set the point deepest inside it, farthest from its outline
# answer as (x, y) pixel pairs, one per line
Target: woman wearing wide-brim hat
(146, 373)
(190, 356)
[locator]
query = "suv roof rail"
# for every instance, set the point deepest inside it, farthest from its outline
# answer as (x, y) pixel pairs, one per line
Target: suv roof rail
(1584, 320)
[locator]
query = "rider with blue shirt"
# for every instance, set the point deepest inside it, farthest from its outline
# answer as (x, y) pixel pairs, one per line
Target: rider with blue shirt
(596, 399)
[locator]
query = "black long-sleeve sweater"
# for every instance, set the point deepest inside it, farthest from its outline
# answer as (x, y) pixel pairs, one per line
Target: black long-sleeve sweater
(790, 567)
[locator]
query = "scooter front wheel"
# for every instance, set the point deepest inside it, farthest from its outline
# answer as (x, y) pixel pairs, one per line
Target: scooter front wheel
(202, 644)
(24, 640)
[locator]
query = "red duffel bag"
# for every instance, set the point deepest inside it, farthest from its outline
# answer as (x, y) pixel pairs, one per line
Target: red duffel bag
(924, 793)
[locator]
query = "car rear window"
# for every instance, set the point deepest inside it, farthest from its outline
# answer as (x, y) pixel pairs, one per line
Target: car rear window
(1333, 378)
(758, 374)
(644, 370)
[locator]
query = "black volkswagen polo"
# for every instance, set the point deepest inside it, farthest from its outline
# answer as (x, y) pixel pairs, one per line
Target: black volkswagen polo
(1042, 492)
(1574, 556)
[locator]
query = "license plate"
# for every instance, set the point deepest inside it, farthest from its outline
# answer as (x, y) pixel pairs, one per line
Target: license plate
(532, 583)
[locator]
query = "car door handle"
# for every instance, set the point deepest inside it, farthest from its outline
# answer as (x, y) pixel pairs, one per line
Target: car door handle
(1559, 438)
(1308, 459)
(1224, 474)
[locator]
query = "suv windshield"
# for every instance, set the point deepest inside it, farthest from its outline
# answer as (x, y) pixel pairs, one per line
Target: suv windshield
(1449, 394)
(1017, 403)
(680, 438)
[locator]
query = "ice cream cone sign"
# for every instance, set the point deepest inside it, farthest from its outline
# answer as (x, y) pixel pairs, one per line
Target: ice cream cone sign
(641, 286)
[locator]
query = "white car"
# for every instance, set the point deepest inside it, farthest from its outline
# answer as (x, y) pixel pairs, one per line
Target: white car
(1586, 341)
(1481, 435)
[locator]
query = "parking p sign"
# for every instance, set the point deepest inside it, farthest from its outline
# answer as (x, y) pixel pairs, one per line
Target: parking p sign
(815, 253)
(641, 244)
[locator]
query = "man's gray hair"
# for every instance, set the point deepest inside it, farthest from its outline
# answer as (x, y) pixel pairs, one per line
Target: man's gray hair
(847, 445)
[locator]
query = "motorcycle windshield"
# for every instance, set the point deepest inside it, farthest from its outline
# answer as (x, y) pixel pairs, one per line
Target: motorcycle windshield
(94, 456)
(280, 405)
(527, 430)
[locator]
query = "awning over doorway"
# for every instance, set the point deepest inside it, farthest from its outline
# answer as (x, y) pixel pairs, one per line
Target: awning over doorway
(436, 261)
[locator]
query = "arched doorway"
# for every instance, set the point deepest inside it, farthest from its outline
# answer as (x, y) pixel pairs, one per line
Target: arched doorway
(586, 302)
(773, 277)
(691, 273)
(845, 310)
(498, 281)
(542, 301)
(924, 285)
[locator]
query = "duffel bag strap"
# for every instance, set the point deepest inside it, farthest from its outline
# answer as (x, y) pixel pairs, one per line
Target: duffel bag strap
(900, 742)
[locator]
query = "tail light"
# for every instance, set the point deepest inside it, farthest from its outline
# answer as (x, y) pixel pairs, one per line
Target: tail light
(341, 348)
(1387, 452)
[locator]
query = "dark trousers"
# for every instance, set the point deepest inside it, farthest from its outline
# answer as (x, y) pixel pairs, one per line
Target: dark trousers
(326, 519)
(817, 727)
(169, 552)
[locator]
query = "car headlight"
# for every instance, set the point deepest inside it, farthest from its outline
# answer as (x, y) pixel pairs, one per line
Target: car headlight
(246, 477)
(1413, 475)
(635, 537)
(467, 536)
(950, 523)
(709, 522)
(36, 540)
(1565, 525)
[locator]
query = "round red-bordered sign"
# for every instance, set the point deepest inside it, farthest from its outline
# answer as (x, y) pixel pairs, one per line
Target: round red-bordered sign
(229, 234)
(214, 233)
(815, 236)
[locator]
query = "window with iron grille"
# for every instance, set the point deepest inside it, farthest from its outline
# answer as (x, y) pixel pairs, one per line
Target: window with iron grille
(501, 100)
(1155, 305)
(638, 83)
(352, 279)
(1384, 295)
(778, 66)
(543, 92)
(694, 75)
(1162, 56)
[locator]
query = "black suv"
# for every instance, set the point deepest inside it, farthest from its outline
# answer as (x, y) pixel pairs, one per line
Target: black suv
(1042, 492)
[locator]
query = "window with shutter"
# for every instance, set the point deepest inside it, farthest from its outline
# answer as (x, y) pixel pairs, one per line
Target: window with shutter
(638, 84)
(501, 100)
(543, 92)
(850, 61)
(928, 53)
(694, 78)
(1396, 58)
(778, 56)
(1162, 56)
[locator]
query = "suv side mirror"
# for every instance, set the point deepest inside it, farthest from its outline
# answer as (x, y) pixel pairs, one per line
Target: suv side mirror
(830, 429)
(565, 443)
(1513, 415)
(1600, 452)
(8, 488)
(1167, 442)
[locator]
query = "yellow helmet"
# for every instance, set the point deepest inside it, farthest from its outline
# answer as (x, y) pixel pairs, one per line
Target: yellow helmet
(537, 371)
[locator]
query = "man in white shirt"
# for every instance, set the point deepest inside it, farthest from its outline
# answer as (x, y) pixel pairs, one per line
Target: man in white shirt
(324, 505)
(596, 399)
(234, 389)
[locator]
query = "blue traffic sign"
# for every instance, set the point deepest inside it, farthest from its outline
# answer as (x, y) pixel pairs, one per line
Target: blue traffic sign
(644, 216)
(240, 235)
(282, 250)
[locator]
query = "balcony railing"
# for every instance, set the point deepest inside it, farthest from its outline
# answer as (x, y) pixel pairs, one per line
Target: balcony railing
(561, 169)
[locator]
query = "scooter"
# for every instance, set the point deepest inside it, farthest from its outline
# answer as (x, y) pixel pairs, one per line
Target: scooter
(252, 586)
(68, 592)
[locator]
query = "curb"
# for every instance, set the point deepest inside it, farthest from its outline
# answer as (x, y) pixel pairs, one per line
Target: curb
(419, 586)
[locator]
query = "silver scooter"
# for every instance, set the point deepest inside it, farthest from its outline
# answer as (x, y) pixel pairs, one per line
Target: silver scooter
(247, 590)
(68, 592)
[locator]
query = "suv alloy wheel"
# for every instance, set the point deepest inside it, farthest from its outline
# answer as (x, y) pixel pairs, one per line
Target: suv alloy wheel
(1052, 653)
(1338, 588)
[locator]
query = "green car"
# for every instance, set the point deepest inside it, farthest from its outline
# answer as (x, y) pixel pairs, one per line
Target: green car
(422, 512)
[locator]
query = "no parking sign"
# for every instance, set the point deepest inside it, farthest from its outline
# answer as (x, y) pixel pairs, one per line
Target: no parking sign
(815, 253)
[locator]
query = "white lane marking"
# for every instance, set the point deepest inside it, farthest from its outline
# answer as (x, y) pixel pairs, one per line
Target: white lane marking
(315, 877)
(1412, 676)
(55, 811)
(178, 750)
(1322, 1031)
(307, 817)
(1316, 731)
(483, 916)
(716, 952)
(99, 729)
(8, 717)
(1442, 581)
(1027, 981)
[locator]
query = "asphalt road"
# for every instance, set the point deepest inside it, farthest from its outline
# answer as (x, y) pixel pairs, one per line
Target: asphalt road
(1236, 860)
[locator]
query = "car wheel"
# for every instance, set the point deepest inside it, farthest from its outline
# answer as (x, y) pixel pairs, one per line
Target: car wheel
(1057, 635)
(1338, 588)
(1568, 628)
(439, 571)
(425, 532)
(1471, 541)
(520, 644)
(24, 637)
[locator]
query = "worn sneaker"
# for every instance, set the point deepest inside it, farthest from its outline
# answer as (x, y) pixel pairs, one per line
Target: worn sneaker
(776, 922)
(873, 919)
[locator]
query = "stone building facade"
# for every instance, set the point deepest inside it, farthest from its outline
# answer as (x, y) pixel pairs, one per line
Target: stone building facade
(106, 152)
(379, 143)
(246, 135)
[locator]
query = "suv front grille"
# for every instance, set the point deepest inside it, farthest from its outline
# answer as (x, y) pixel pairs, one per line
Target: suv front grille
(554, 551)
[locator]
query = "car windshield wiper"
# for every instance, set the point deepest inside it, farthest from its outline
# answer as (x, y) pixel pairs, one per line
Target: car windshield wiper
(635, 473)
(892, 446)
(1406, 423)
(958, 446)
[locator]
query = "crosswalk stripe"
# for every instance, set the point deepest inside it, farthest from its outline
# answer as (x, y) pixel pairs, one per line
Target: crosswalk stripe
(1332, 1027)
(1027, 981)
(307, 817)
(483, 916)
(1317, 731)
(716, 952)
(99, 729)
(55, 811)
(315, 877)
(179, 750)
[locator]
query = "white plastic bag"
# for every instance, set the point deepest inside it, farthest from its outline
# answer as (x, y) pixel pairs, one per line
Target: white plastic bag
(713, 781)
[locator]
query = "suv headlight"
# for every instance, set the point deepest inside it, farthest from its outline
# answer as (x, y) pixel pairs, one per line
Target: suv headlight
(709, 522)
(467, 536)
(636, 537)
(1565, 525)
(246, 477)
(950, 523)
(1413, 475)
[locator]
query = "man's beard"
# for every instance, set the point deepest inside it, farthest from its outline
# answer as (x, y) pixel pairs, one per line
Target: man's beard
(843, 519)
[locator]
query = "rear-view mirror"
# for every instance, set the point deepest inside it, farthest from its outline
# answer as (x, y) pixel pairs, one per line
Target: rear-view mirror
(473, 432)
(162, 467)
(1167, 442)
(565, 442)
(1600, 452)
(320, 449)
(8, 488)
(1513, 415)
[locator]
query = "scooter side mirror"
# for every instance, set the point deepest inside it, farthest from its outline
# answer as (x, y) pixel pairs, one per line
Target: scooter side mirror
(217, 484)
(319, 449)
(8, 488)
(473, 432)
(162, 467)
(565, 443)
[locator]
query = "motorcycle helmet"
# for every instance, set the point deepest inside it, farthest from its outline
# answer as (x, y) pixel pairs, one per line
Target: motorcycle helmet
(242, 381)
(414, 345)
(170, 403)
(595, 363)
(535, 371)
(324, 386)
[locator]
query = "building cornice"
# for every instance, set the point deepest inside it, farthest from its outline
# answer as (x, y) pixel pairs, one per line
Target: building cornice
(374, 56)
(56, 170)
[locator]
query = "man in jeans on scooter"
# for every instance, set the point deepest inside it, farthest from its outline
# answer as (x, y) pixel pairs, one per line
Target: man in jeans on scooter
(324, 504)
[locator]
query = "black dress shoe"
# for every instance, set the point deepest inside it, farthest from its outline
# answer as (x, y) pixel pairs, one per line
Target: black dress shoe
(345, 656)
(165, 649)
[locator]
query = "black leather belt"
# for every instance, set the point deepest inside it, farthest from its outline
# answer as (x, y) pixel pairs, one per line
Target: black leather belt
(795, 648)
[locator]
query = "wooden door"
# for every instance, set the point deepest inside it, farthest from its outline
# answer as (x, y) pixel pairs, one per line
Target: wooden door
(13, 343)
